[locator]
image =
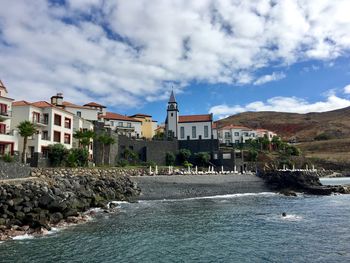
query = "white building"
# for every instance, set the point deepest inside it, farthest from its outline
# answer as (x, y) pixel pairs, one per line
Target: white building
(235, 134)
(54, 125)
(8, 136)
(187, 127)
(124, 125)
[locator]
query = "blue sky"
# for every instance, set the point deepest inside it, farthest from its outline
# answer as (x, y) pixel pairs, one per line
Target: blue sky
(222, 56)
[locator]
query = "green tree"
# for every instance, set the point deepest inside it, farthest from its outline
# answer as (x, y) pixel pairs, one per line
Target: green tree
(184, 155)
(26, 129)
(131, 156)
(84, 137)
(170, 158)
(105, 140)
(276, 143)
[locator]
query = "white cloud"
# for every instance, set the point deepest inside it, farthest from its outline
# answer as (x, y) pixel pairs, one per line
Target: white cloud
(282, 104)
(121, 52)
(268, 78)
(347, 89)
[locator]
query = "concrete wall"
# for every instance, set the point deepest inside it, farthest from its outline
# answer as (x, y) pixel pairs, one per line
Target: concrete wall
(13, 170)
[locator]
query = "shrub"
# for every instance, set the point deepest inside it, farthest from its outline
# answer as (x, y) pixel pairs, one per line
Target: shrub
(122, 163)
(252, 156)
(131, 156)
(187, 164)
(202, 158)
(170, 158)
(57, 154)
(323, 137)
(71, 160)
(81, 156)
(183, 155)
(7, 158)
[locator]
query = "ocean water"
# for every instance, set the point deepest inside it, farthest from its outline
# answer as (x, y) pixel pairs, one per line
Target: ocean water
(335, 181)
(235, 228)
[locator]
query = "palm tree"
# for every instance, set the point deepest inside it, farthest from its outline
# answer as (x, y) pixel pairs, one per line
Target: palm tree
(105, 140)
(26, 129)
(84, 137)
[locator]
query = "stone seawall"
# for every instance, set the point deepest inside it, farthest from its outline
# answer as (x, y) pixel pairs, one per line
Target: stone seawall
(34, 206)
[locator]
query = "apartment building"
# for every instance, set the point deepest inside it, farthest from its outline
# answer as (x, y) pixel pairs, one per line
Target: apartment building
(53, 124)
(8, 136)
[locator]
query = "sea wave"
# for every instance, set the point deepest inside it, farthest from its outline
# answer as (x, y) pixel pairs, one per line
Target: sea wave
(23, 237)
(227, 196)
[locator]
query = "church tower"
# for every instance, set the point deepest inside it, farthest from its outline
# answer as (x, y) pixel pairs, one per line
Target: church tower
(172, 117)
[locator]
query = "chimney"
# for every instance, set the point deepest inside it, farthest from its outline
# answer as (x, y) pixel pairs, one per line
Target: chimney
(57, 100)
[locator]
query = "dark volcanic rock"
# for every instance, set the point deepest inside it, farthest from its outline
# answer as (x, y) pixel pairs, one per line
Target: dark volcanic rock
(51, 199)
(300, 181)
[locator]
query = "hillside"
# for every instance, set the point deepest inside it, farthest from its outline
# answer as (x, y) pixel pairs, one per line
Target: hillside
(333, 153)
(302, 127)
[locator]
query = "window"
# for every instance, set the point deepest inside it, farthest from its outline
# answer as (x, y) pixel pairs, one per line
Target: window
(246, 134)
(67, 138)
(3, 109)
(253, 134)
(46, 118)
(36, 117)
(67, 123)
(227, 135)
(58, 120)
(236, 133)
(129, 124)
(194, 132)
(45, 151)
(182, 132)
(237, 142)
(120, 124)
(56, 136)
(112, 123)
(172, 114)
(2, 128)
(206, 131)
(45, 135)
(79, 113)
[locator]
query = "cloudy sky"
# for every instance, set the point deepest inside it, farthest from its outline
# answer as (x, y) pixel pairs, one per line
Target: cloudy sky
(224, 56)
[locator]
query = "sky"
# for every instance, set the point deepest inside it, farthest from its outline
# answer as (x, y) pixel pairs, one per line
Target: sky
(222, 57)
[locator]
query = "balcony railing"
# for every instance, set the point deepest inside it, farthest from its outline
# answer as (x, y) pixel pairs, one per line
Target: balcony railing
(6, 114)
(40, 121)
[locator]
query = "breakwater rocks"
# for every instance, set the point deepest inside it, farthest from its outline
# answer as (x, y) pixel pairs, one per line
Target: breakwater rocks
(300, 181)
(34, 206)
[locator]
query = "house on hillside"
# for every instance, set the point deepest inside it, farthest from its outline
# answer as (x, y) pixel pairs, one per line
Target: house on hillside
(8, 136)
(236, 134)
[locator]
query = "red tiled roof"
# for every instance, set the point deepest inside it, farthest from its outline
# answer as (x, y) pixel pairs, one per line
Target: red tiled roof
(94, 104)
(72, 105)
(231, 126)
(195, 118)
(38, 104)
(140, 115)
(215, 125)
(116, 116)
(20, 103)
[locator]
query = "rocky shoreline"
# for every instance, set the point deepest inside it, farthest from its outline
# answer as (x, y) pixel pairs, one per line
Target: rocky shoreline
(33, 207)
(289, 182)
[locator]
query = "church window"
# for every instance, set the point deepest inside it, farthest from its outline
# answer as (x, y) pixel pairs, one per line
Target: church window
(206, 132)
(194, 132)
(182, 132)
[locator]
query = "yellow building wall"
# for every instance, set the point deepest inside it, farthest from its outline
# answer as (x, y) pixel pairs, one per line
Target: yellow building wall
(146, 126)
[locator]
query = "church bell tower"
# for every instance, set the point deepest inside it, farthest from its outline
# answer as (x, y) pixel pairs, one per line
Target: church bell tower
(172, 117)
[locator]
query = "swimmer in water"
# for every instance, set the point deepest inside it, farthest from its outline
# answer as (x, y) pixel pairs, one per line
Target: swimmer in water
(284, 214)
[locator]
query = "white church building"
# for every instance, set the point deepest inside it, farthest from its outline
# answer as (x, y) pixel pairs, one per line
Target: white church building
(187, 127)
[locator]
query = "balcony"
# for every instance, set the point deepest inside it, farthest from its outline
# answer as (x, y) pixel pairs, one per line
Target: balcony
(5, 114)
(40, 122)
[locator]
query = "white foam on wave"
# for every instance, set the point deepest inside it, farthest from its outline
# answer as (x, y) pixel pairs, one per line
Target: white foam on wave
(23, 237)
(292, 217)
(227, 196)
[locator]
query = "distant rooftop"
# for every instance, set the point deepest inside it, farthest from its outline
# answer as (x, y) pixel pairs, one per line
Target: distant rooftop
(94, 104)
(195, 118)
